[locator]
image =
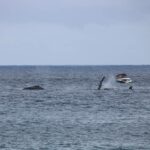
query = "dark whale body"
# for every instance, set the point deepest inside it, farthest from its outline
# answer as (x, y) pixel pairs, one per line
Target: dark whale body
(36, 87)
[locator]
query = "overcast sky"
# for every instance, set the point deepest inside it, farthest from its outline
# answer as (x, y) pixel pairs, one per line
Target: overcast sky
(74, 32)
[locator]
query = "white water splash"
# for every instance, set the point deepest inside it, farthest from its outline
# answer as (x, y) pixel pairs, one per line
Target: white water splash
(110, 83)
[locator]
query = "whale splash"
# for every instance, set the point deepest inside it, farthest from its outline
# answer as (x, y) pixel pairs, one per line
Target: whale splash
(110, 83)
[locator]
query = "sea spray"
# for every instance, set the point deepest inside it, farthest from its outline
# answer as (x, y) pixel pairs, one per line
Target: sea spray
(110, 83)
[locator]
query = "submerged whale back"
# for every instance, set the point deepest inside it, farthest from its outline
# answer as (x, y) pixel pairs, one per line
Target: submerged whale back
(36, 87)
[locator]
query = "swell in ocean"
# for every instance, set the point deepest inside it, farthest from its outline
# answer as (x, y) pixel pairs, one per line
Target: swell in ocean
(70, 113)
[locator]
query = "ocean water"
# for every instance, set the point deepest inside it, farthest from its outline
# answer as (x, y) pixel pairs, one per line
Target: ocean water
(71, 114)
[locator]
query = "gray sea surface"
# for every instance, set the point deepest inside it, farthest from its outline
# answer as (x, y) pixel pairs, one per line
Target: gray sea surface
(70, 113)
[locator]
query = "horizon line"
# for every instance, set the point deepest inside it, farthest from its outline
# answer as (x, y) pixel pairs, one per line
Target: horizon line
(76, 65)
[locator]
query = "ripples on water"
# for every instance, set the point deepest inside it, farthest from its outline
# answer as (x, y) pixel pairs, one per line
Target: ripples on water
(71, 114)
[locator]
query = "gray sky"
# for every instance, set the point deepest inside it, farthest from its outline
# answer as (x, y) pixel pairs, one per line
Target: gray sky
(74, 32)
